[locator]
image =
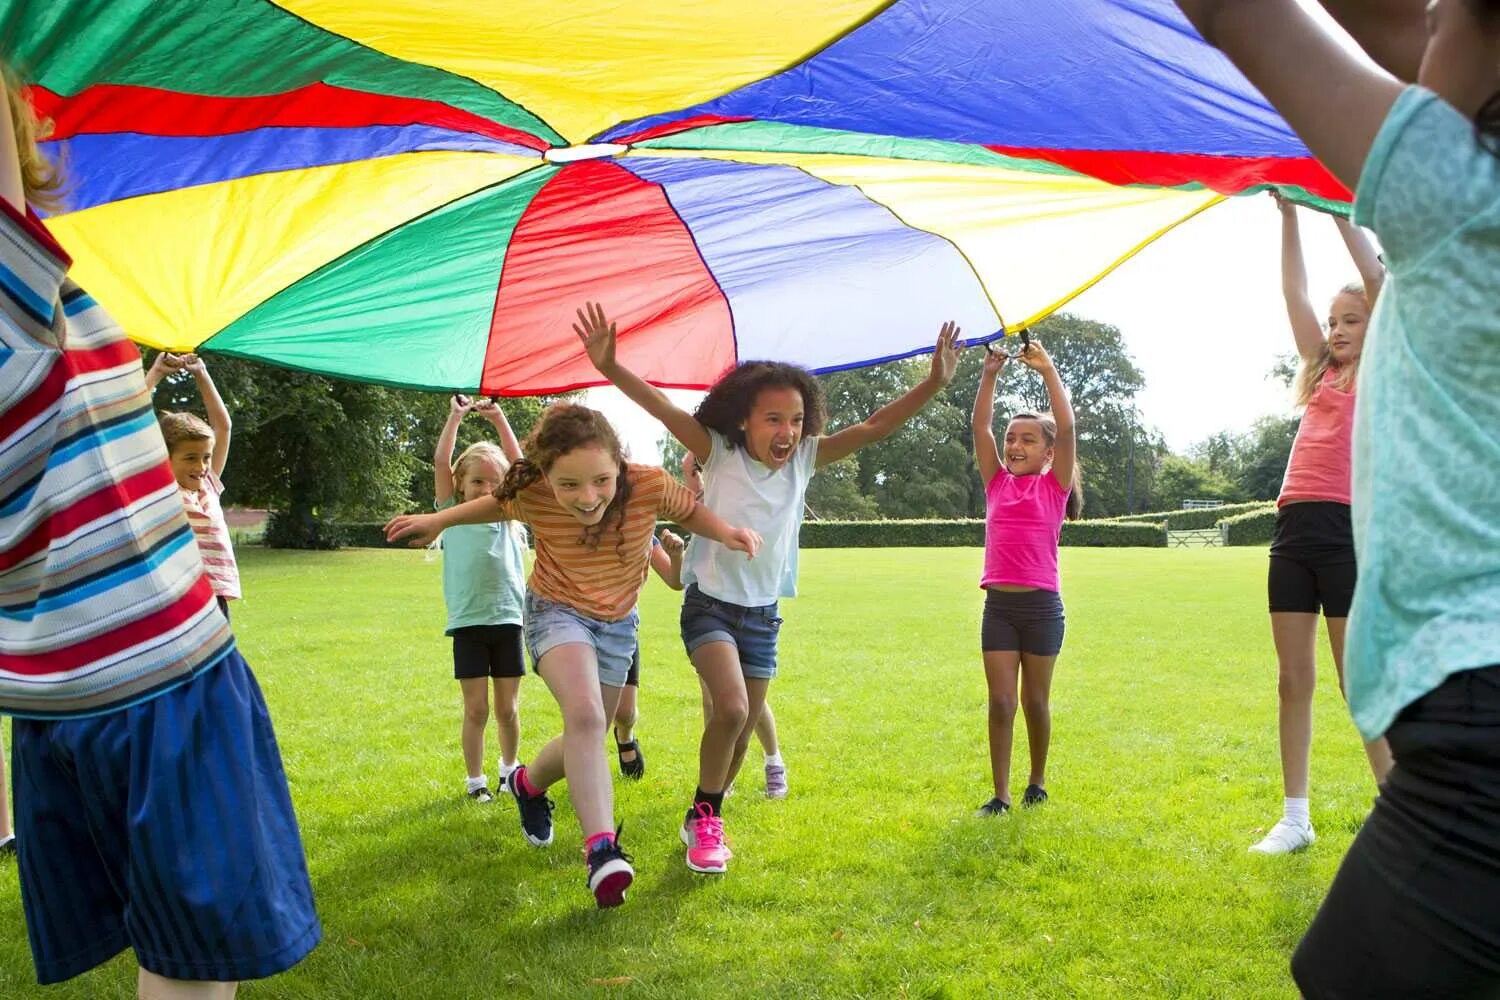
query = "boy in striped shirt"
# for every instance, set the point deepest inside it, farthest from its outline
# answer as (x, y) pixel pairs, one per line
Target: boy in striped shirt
(198, 452)
(152, 811)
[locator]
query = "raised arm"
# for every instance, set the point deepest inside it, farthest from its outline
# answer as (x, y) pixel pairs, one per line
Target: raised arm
(442, 452)
(218, 413)
(508, 443)
(884, 421)
(1330, 98)
(1065, 447)
(982, 422)
(12, 187)
(1392, 32)
(1306, 330)
(1366, 260)
(598, 336)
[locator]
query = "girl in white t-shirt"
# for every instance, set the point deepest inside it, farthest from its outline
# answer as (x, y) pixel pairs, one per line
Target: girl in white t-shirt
(759, 434)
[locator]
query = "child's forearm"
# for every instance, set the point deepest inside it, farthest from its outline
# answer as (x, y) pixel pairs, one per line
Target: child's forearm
(213, 403)
(484, 510)
(1057, 398)
(705, 522)
(442, 452)
(508, 442)
(984, 402)
(679, 423)
(1366, 260)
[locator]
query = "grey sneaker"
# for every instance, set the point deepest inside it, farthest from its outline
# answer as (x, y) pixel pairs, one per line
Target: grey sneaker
(775, 781)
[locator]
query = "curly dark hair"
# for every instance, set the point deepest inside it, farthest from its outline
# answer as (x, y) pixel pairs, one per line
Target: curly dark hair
(565, 427)
(729, 402)
(1487, 120)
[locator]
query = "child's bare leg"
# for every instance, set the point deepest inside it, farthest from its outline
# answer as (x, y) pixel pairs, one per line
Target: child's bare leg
(150, 986)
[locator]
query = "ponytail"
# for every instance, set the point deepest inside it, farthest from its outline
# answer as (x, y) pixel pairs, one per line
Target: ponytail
(1075, 493)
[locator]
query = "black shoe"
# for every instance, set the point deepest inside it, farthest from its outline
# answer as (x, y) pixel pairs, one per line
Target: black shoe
(610, 872)
(631, 768)
(1035, 795)
(481, 794)
(536, 812)
(994, 807)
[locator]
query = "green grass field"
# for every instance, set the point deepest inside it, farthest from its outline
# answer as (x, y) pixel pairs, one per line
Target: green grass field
(873, 879)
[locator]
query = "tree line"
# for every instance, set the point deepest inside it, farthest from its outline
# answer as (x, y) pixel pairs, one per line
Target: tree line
(319, 451)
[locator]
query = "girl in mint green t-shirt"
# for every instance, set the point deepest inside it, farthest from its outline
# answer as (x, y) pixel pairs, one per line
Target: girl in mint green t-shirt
(484, 590)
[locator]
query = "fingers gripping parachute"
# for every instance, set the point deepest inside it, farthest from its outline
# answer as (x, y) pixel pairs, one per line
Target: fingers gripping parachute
(418, 192)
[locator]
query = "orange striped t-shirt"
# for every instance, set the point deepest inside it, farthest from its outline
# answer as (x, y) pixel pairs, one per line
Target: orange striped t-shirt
(206, 517)
(605, 580)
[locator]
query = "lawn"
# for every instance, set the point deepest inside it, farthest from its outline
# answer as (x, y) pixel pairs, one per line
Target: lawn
(873, 879)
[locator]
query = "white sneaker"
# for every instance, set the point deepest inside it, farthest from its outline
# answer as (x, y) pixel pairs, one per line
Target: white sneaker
(1284, 838)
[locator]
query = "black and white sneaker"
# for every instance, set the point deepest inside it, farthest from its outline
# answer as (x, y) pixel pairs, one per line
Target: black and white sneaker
(8, 845)
(1035, 795)
(536, 812)
(994, 807)
(481, 794)
(610, 872)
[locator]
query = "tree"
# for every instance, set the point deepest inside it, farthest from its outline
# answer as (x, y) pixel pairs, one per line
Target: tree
(1263, 456)
(1180, 479)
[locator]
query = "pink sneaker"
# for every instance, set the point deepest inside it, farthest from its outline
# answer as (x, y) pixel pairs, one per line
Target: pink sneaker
(703, 833)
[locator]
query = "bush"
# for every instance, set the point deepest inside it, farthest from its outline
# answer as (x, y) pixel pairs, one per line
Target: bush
(286, 530)
(1253, 528)
(1203, 517)
(367, 535)
(1113, 534)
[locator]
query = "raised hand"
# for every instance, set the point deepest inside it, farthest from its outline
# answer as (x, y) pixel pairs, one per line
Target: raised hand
(485, 406)
(194, 364)
(743, 540)
(1036, 357)
(597, 334)
(672, 543)
(459, 404)
(417, 529)
(945, 356)
(994, 360)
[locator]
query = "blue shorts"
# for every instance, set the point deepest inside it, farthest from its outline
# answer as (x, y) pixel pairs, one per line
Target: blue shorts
(752, 631)
(165, 827)
(550, 624)
(1028, 621)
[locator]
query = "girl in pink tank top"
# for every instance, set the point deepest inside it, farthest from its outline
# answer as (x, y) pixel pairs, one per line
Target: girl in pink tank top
(1312, 564)
(1028, 488)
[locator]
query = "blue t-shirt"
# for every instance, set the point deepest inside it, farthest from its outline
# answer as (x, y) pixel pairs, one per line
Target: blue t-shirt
(1426, 491)
(484, 574)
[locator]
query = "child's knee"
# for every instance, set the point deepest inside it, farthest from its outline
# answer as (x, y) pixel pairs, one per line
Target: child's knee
(1034, 703)
(730, 713)
(1296, 684)
(1002, 707)
(476, 713)
(584, 717)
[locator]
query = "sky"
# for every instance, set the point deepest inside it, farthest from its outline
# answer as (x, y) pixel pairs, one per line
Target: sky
(1201, 313)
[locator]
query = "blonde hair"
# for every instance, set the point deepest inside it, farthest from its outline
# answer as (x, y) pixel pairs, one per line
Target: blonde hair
(180, 428)
(479, 450)
(41, 180)
(1310, 375)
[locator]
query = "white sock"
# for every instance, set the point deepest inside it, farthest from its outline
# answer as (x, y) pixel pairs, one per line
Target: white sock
(1296, 812)
(774, 760)
(506, 768)
(477, 783)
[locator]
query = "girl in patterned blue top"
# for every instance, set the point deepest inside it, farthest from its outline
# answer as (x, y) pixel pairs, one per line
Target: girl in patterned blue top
(484, 577)
(1413, 910)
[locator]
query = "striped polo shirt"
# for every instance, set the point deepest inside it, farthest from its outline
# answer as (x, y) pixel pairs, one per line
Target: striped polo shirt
(206, 517)
(604, 580)
(103, 599)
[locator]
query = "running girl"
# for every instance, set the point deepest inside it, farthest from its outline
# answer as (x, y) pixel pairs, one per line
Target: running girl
(1029, 490)
(483, 572)
(759, 433)
(591, 514)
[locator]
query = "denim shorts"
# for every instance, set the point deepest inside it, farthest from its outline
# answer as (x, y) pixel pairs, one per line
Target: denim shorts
(550, 624)
(752, 631)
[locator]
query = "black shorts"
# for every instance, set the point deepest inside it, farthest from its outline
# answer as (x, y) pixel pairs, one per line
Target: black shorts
(1030, 621)
(1414, 910)
(1312, 559)
(633, 679)
(488, 651)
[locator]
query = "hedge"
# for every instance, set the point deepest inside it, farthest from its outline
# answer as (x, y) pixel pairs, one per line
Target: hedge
(1202, 517)
(885, 534)
(1253, 528)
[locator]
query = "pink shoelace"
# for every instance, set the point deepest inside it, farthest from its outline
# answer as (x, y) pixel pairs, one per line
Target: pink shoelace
(709, 829)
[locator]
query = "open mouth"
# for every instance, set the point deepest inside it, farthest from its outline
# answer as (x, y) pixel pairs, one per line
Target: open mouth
(590, 511)
(781, 452)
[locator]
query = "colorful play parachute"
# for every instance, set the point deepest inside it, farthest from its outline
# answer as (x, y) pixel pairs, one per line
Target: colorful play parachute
(420, 192)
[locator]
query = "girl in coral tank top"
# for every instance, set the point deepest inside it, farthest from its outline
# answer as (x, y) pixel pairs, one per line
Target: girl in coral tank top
(1312, 552)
